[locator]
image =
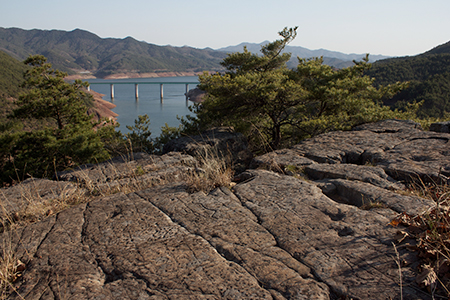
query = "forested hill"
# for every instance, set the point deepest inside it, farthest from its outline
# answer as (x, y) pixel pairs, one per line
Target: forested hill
(429, 77)
(79, 50)
(11, 75)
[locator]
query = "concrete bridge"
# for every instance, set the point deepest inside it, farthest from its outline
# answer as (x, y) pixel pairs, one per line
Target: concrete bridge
(136, 86)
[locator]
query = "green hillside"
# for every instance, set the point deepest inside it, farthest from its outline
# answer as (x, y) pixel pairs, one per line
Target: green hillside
(11, 75)
(79, 50)
(429, 77)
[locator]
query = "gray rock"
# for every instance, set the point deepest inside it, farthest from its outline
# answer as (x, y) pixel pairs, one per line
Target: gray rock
(362, 194)
(372, 175)
(235, 233)
(403, 150)
(196, 95)
(440, 127)
(271, 237)
(280, 160)
(123, 247)
(347, 248)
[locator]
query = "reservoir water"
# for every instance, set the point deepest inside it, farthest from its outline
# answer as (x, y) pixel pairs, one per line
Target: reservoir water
(149, 102)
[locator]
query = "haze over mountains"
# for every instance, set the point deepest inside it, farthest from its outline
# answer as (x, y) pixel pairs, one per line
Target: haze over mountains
(331, 58)
(80, 51)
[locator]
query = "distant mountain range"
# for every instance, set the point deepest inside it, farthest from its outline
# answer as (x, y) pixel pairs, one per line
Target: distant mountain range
(82, 52)
(331, 58)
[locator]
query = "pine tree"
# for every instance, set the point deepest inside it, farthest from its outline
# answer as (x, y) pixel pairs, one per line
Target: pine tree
(261, 97)
(68, 137)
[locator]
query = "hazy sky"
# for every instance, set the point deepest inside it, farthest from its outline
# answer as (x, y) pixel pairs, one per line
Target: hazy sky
(389, 27)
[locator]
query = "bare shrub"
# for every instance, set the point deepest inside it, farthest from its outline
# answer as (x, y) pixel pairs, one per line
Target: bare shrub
(431, 230)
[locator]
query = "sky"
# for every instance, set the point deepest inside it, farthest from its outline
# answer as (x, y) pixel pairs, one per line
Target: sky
(387, 27)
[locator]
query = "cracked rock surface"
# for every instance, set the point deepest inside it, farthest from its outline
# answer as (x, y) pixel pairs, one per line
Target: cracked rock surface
(293, 227)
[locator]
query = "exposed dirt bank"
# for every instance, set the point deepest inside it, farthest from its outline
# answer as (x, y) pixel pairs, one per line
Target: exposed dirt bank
(102, 108)
(134, 75)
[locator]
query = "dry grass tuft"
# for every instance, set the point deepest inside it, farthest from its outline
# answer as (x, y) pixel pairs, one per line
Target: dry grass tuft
(211, 172)
(11, 267)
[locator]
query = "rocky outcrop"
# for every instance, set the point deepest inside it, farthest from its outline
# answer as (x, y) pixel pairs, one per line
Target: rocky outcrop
(440, 127)
(196, 95)
(300, 224)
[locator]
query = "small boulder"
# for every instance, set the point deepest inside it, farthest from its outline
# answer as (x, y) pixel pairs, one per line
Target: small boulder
(440, 127)
(196, 95)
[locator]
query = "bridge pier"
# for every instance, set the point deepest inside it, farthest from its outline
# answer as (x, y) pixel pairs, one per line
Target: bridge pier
(161, 91)
(111, 87)
(187, 90)
(136, 90)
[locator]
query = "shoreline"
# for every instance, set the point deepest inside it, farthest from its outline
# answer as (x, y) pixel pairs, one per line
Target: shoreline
(135, 75)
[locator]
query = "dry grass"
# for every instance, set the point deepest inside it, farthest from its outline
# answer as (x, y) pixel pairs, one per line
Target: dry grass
(11, 267)
(431, 230)
(212, 171)
(29, 205)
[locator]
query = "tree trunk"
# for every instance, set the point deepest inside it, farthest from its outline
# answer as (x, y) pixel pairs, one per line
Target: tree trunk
(276, 136)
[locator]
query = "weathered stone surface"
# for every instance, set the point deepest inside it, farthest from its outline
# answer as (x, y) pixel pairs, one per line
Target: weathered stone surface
(399, 147)
(196, 95)
(372, 175)
(272, 236)
(347, 248)
(362, 194)
(280, 160)
(440, 127)
(123, 247)
(234, 231)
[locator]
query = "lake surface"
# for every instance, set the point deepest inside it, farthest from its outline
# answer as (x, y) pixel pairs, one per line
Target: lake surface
(149, 102)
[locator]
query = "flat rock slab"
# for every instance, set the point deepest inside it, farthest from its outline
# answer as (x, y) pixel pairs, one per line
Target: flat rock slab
(373, 175)
(273, 237)
(139, 171)
(347, 248)
(234, 232)
(123, 247)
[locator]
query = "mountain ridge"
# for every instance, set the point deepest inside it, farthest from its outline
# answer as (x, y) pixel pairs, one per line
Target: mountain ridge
(332, 58)
(80, 51)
